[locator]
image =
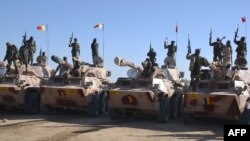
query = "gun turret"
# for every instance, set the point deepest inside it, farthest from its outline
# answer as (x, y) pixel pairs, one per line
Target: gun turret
(121, 62)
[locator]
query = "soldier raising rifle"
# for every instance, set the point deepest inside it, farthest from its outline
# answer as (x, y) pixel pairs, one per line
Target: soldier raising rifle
(170, 60)
(75, 48)
(217, 48)
(242, 47)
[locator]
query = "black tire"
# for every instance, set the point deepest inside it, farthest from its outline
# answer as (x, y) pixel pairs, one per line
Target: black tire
(187, 118)
(114, 114)
(31, 103)
(93, 109)
(174, 107)
(102, 103)
(180, 104)
(163, 114)
(46, 109)
(245, 117)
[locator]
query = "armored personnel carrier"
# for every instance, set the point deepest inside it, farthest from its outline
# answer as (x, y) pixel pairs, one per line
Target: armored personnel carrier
(220, 96)
(140, 93)
(86, 90)
(22, 90)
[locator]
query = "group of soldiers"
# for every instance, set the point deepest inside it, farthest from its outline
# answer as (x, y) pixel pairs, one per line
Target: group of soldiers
(222, 57)
(22, 56)
(65, 67)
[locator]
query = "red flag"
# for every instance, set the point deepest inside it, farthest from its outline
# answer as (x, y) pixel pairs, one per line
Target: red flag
(176, 28)
(243, 19)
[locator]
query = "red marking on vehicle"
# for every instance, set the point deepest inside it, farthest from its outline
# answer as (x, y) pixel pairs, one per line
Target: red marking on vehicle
(81, 93)
(12, 90)
(129, 99)
(61, 93)
(193, 102)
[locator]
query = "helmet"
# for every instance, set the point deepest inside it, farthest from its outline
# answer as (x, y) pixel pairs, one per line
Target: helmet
(64, 58)
(8, 43)
(75, 39)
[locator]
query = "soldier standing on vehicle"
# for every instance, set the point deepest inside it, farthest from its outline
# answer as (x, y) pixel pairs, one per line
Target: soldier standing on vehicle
(242, 47)
(75, 48)
(95, 53)
(24, 55)
(147, 68)
(217, 49)
(171, 53)
(32, 49)
(196, 61)
(152, 56)
(76, 68)
(11, 55)
(227, 54)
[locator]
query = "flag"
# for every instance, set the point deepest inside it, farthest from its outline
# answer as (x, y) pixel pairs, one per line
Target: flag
(176, 28)
(243, 19)
(41, 27)
(99, 26)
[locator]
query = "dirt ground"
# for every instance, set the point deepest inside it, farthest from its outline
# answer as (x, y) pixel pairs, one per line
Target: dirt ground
(77, 126)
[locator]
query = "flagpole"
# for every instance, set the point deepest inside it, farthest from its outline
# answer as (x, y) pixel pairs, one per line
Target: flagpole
(103, 43)
(47, 28)
(176, 38)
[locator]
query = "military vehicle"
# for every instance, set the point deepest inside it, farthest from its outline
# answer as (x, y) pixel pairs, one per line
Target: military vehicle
(220, 96)
(138, 94)
(86, 91)
(22, 90)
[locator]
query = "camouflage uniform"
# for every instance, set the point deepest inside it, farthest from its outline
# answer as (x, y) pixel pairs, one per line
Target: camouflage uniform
(75, 49)
(195, 65)
(227, 53)
(171, 53)
(242, 47)
(95, 53)
(217, 49)
(11, 55)
(24, 55)
(147, 68)
(32, 49)
(76, 69)
(152, 56)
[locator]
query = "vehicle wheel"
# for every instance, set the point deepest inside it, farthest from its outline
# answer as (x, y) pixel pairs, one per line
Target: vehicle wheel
(103, 103)
(46, 109)
(93, 110)
(31, 103)
(174, 107)
(164, 111)
(187, 118)
(114, 113)
(180, 104)
(245, 117)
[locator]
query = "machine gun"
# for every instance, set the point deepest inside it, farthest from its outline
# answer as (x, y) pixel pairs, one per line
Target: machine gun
(210, 35)
(189, 45)
(24, 38)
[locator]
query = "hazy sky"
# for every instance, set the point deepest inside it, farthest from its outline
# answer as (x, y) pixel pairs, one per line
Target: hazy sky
(130, 26)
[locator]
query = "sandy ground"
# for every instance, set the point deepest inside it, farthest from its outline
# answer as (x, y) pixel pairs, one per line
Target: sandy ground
(77, 126)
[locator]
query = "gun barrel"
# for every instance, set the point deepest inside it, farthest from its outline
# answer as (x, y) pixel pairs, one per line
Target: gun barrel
(56, 59)
(121, 62)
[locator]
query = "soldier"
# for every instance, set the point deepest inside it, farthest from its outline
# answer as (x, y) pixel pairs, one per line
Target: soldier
(75, 49)
(76, 69)
(242, 47)
(64, 67)
(95, 53)
(227, 54)
(171, 53)
(11, 55)
(196, 61)
(147, 68)
(32, 49)
(24, 55)
(217, 49)
(152, 56)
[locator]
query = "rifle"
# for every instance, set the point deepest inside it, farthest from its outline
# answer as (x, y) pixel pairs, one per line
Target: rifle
(24, 37)
(189, 45)
(40, 53)
(236, 32)
(71, 38)
(210, 34)
(166, 43)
